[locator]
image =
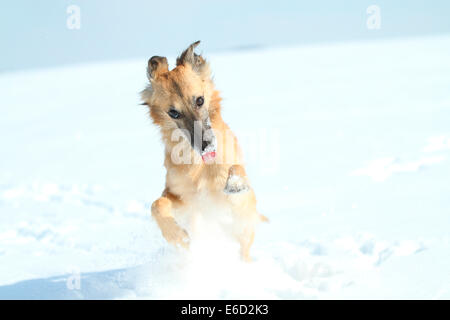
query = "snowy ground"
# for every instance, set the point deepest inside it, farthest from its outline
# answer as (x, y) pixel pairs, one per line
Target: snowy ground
(354, 177)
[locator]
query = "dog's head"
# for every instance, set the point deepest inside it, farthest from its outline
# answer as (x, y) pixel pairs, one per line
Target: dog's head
(183, 98)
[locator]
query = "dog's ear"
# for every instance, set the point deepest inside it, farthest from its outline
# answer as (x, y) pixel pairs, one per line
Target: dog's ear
(156, 66)
(189, 57)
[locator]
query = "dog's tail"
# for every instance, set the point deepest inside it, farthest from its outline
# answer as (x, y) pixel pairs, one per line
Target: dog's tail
(263, 218)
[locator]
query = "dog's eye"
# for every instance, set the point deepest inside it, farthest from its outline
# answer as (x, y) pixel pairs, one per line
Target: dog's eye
(199, 101)
(174, 114)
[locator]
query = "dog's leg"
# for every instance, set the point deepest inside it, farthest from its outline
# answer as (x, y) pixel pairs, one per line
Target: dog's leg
(171, 231)
(243, 202)
(246, 241)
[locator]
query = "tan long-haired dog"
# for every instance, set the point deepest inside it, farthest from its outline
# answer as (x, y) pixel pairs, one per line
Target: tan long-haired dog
(202, 157)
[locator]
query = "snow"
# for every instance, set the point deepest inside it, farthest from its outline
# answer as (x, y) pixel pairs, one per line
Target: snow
(347, 147)
(437, 144)
(381, 169)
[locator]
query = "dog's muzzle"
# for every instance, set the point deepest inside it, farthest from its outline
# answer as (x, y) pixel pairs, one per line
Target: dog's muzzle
(205, 142)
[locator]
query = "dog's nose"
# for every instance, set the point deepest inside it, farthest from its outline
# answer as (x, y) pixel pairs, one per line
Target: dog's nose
(204, 145)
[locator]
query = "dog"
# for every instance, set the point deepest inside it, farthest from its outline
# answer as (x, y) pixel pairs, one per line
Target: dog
(202, 157)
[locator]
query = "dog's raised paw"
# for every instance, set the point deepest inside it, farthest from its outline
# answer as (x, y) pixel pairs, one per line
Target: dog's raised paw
(174, 234)
(236, 184)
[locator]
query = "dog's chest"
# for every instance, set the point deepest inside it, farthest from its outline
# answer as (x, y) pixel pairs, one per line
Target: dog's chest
(205, 210)
(196, 182)
(202, 195)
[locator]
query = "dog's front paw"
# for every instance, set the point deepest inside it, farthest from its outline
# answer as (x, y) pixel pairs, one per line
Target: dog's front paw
(174, 234)
(236, 184)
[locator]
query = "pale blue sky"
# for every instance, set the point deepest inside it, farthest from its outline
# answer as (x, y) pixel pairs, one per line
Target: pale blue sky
(34, 33)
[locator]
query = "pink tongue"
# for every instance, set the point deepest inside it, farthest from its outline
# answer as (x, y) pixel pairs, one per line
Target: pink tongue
(209, 156)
